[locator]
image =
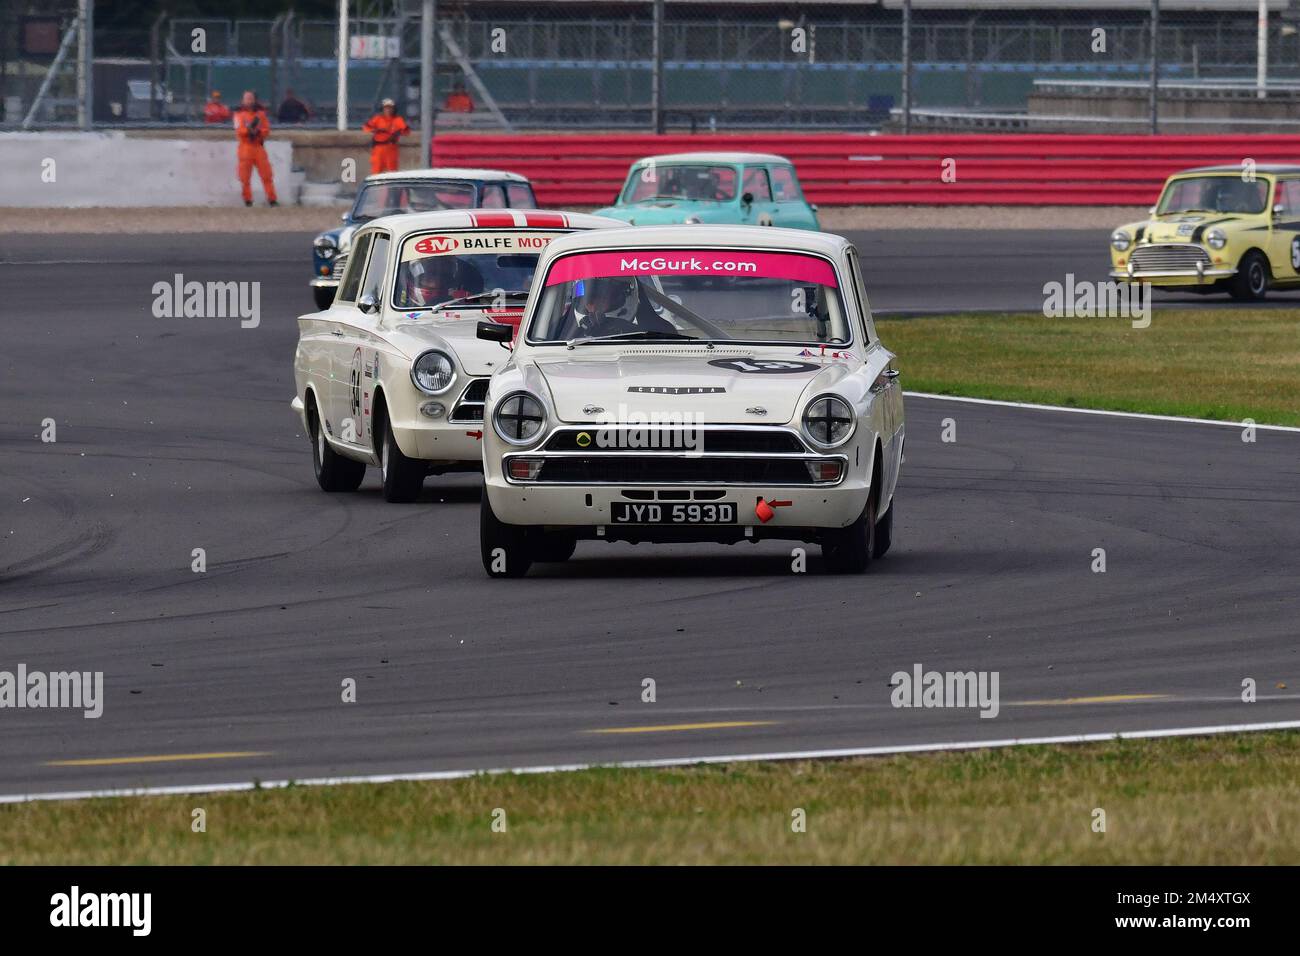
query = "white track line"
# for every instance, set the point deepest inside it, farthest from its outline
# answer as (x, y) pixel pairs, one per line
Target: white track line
(665, 762)
(1098, 411)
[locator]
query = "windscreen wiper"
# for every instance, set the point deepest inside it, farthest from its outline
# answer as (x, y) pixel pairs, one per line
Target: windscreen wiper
(641, 335)
(480, 296)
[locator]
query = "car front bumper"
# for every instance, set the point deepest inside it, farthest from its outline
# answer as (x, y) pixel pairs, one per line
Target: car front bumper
(440, 441)
(455, 435)
(1170, 263)
(1174, 277)
(588, 508)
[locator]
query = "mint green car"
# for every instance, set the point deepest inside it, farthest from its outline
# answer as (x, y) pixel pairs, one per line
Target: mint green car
(746, 189)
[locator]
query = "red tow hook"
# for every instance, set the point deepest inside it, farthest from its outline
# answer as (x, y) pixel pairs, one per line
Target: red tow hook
(764, 509)
(478, 435)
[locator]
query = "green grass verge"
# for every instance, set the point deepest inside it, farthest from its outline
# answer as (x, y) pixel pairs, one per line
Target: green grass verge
(1214, 800)
(1221, 364)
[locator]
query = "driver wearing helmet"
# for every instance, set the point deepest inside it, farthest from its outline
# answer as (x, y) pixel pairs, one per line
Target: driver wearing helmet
(1237, 196)
(434, 280)
(610, 305)
(606, 301)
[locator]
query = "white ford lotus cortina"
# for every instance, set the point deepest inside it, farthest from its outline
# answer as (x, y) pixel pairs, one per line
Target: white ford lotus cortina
(392, 373)
(692, 384)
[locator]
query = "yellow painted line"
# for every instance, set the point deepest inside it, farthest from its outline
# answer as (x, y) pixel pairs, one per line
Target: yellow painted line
(156, 758)
(1107, 699)
(664, 728)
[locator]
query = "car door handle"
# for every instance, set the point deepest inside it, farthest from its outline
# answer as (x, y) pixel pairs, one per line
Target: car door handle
(337, 333)
(892, 373)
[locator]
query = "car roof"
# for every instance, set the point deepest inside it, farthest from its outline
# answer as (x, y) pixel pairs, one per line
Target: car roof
(447, 172)
(1275, 168)
(697, 236)
(404, 224)
(715, 157)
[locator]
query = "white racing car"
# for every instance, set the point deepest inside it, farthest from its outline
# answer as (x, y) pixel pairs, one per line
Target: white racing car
(392, 374)
(692, 383)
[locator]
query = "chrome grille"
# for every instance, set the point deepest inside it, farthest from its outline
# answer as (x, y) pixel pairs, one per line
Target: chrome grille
(340, 263)
(469, 407)
(673, 469)
(1181, 257)
(599, 438)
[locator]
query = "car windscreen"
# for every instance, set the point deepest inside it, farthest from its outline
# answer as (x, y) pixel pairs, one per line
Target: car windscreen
(437, 268)
(733, 295)
(1214, 194)
(702, 182)
(389, 199)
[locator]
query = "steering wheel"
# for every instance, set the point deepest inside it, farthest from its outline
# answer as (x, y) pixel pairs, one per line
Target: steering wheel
(608, 325)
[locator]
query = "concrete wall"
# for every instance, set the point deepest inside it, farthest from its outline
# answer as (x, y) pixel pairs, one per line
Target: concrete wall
(1225, 114)
(112, 169)
(318, 152)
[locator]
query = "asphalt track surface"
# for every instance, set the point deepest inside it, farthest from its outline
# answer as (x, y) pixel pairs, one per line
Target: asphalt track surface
(175, 434)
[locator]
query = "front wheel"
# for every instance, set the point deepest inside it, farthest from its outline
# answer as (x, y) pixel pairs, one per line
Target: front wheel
(403, 477)
(504, 547)
(885, 531)
(1251, 282)
(849, 550)
(333, 471)
(324, 296)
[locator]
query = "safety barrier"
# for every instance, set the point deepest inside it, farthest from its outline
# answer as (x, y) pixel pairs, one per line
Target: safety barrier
(840, 170)
(69, 169)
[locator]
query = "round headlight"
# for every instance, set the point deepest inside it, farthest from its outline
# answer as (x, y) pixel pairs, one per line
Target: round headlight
(433, 373)
(325, 246)
(828, 421)
(1216, 238)
(1119, 240)
(519, 418)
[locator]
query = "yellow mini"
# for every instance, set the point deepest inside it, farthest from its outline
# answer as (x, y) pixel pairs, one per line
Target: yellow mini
(1233, 229)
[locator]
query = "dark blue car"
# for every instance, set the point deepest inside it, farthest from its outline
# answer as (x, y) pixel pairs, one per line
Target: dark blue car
(416, 190)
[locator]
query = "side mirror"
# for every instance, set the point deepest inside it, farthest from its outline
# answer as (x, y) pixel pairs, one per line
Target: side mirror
(747, 199)
(368, 303)
(343, 217)
(495, 332)
(1278, 209)
(1151, 211)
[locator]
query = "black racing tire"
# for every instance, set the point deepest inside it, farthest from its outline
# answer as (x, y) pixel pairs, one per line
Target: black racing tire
(505, 547)
(403, 477)
(324, 296)
(849, 550)
(1253, 278)
(334, 473)
(554, 546)
(885, 531)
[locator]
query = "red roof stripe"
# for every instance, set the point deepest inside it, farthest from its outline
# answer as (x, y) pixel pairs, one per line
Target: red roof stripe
(493, 220)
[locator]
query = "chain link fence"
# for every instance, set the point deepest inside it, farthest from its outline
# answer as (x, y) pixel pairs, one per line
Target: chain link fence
(887, 65)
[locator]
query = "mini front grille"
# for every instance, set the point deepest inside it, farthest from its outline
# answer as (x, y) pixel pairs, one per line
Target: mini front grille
(1169, 258)
(667, 469)
(600, 438)
(340, 263)
(469, 407)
